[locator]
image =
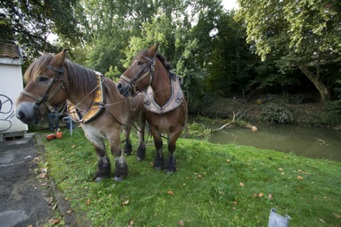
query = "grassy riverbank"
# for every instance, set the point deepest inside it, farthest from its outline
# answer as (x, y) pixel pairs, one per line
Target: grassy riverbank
(215, 185)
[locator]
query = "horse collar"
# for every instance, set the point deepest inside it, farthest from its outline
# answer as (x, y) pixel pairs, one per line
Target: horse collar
(97, 105)
(174, 101)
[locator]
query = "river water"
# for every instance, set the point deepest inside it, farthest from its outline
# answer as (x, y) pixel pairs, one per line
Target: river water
(319, 143)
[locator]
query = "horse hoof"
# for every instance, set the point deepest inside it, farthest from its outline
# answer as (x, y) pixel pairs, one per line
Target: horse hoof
(170, 172)
(140, 159)
(99, 179)
(119, 179)
(158, 168)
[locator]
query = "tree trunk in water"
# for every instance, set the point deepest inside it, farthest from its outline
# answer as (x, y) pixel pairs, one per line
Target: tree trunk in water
(322, 89)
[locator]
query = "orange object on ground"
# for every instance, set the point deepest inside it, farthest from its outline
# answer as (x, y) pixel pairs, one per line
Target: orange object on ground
(59, 134)
(50, 137)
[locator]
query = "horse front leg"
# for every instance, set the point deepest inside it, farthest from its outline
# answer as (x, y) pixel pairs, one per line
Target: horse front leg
(173, 137)
(158, 161)
(103, 164)
(121, 167)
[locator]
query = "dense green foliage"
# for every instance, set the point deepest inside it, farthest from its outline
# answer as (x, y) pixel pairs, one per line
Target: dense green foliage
(215, 185)
(29, 23)
(211, 51)
(303, 34)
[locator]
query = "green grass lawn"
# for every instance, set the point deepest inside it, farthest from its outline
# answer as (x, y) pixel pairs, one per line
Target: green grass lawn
(215, 185)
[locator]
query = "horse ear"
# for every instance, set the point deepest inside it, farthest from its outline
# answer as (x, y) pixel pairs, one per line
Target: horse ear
(153, 49)
(60, 57)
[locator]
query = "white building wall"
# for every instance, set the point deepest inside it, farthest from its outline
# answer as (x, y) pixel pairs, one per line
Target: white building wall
(11, 84)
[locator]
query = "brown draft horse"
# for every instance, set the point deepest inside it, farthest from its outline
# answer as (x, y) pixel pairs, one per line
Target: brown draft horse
(150, 70)
(54, 79)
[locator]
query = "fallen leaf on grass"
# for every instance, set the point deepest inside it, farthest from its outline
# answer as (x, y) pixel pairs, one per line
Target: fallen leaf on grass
(43, 175)
(300, 177)
(306, 173)
(270, 196)
(73, 146)
(321, 220)
(69, 211)
(125, 202)
(242, 184)
(256, 195)
(49, 199)
(181, 223)
(338, 216)
(88, 202)
(130, 223)
(54, 221)
(170, 192)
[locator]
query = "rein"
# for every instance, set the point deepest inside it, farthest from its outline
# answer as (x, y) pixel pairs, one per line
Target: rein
(141, 75)
(47, 96)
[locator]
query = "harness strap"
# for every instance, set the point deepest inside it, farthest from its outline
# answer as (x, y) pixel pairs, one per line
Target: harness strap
(35, 97)
(60, 85)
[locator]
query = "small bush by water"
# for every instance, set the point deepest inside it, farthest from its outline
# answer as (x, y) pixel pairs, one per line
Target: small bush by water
(215, 185)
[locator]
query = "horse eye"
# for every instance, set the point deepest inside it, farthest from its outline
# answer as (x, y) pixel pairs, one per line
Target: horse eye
(43, 79)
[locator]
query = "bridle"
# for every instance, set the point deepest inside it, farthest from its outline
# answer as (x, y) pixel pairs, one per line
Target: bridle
(58, 78)
(147, 70)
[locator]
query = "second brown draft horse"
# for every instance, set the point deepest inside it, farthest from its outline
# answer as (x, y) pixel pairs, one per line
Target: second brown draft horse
(166, 108)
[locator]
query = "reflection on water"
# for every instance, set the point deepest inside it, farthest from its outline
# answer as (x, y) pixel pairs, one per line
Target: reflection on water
(305, 141)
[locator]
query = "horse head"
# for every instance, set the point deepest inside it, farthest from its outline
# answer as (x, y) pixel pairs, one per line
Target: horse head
(140, 73)
(45, 88)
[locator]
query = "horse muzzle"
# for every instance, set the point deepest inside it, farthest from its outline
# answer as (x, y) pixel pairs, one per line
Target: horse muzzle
(125, 89)
(28, 113)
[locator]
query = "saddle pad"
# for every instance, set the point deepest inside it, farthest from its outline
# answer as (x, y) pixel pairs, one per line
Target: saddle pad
(95, 109)
(174, 101)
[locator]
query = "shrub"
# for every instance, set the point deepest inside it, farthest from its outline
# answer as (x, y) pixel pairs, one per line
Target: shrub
(276, 113)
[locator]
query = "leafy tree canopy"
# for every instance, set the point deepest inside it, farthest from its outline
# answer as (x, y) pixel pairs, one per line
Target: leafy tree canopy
(300, 34)
(28, 23)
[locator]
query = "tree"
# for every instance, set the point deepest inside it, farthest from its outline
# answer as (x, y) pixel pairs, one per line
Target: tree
(184, 38)
(28, 24)
(300, 34)
(231, 60)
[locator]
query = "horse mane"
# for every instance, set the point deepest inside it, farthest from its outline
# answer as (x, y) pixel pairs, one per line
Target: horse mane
(164, 61)
(81, 80)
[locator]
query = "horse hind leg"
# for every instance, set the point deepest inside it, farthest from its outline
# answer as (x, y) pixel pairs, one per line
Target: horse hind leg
(141, 150)
(127, 145)
(121, 167)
